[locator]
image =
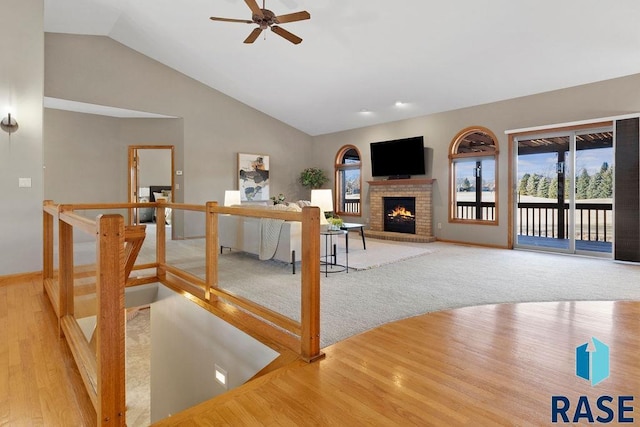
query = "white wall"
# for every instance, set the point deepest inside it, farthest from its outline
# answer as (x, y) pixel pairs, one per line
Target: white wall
(21, 86)
(186, 342)
(603, 99)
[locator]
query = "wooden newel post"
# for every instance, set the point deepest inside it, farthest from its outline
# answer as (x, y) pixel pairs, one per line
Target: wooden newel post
(47, 243)
(211, 257)
(65, 268)
(161, 246)
(48, 263)
(310, 304)
(110, 347)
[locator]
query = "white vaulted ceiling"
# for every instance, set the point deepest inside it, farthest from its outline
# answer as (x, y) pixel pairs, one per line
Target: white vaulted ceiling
(432, 55)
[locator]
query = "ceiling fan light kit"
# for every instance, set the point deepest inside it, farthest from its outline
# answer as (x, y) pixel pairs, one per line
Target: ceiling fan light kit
(265, 18)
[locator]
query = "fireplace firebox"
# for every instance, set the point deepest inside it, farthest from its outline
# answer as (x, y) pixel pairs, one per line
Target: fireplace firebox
(399, 214)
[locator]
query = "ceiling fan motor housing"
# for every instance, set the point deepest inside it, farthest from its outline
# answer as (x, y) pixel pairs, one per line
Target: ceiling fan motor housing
(267, 19)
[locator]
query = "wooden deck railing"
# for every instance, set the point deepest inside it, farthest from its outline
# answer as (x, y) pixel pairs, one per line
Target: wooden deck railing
(102, 365)
(594, 221)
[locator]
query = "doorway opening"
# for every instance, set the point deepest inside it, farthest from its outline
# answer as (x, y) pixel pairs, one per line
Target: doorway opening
(151, 171)
(564, 191)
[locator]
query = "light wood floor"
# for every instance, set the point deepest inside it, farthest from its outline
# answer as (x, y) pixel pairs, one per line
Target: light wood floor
(39, 381)
(486, 365)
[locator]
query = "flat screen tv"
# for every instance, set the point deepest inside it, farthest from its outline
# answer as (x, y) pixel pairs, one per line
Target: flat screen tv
(399, 158)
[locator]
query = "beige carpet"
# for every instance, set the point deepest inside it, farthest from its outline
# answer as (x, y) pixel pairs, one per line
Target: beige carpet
(378, 252)
(189, 254)
(138, 368)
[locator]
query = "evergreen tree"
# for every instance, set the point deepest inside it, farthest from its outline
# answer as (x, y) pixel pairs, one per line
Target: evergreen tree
(466, 185)
(595, 190)
(553, 188)
(607, 183)
(522, 186)
(532, 184)
(543, 187)
(582, 184)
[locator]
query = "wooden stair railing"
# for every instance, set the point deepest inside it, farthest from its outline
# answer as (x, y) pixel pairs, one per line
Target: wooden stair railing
(134, 238)
(100, 360)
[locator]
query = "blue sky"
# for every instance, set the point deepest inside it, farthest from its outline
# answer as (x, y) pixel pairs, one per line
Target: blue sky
(545, 164)
(465, 170)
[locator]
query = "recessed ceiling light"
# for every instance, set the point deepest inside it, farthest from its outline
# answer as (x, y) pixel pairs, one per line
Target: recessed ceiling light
(365, 111)
(221, 375)
(399, 103)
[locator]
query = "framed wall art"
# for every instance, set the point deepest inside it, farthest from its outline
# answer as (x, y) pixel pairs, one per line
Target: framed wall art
(253, 177)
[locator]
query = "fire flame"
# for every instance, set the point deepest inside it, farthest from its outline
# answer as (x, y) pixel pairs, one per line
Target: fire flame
(400, 211)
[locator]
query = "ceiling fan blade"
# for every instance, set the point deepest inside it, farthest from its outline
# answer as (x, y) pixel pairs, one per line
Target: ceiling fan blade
(292, 17)
(254, 7)
(244, 21)
(286, 34)
(254, 35)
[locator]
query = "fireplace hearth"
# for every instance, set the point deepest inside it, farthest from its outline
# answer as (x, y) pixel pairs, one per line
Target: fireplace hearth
(399, 214)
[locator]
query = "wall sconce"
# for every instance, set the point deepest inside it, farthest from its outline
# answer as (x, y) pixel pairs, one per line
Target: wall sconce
(9, 124)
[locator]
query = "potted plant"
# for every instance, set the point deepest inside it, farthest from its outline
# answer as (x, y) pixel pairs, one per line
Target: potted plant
(313, 178)
(335, 222)
(279, 199)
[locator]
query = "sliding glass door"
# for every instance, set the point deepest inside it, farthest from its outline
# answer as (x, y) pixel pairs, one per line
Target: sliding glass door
(564, 192)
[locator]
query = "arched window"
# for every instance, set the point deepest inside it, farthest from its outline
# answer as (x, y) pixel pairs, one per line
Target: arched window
(473, 166)
(348, 181)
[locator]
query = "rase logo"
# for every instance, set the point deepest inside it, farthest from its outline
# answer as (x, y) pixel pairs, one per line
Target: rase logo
(592, 364)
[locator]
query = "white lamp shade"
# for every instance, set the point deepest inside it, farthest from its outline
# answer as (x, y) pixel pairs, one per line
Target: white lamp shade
(231, 197)
(323, 199)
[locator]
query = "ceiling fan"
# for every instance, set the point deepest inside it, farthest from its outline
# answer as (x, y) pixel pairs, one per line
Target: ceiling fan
(267, 19)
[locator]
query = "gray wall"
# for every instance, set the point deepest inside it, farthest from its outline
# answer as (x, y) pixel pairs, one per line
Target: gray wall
(186, 343)
(21, 85)
(603, 99)
(84, 158)
(157, 132)
(99, 70)
(154, 167)
(86, 155)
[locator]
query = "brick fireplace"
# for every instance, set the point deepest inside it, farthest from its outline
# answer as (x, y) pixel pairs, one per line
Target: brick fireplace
(418, 189)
